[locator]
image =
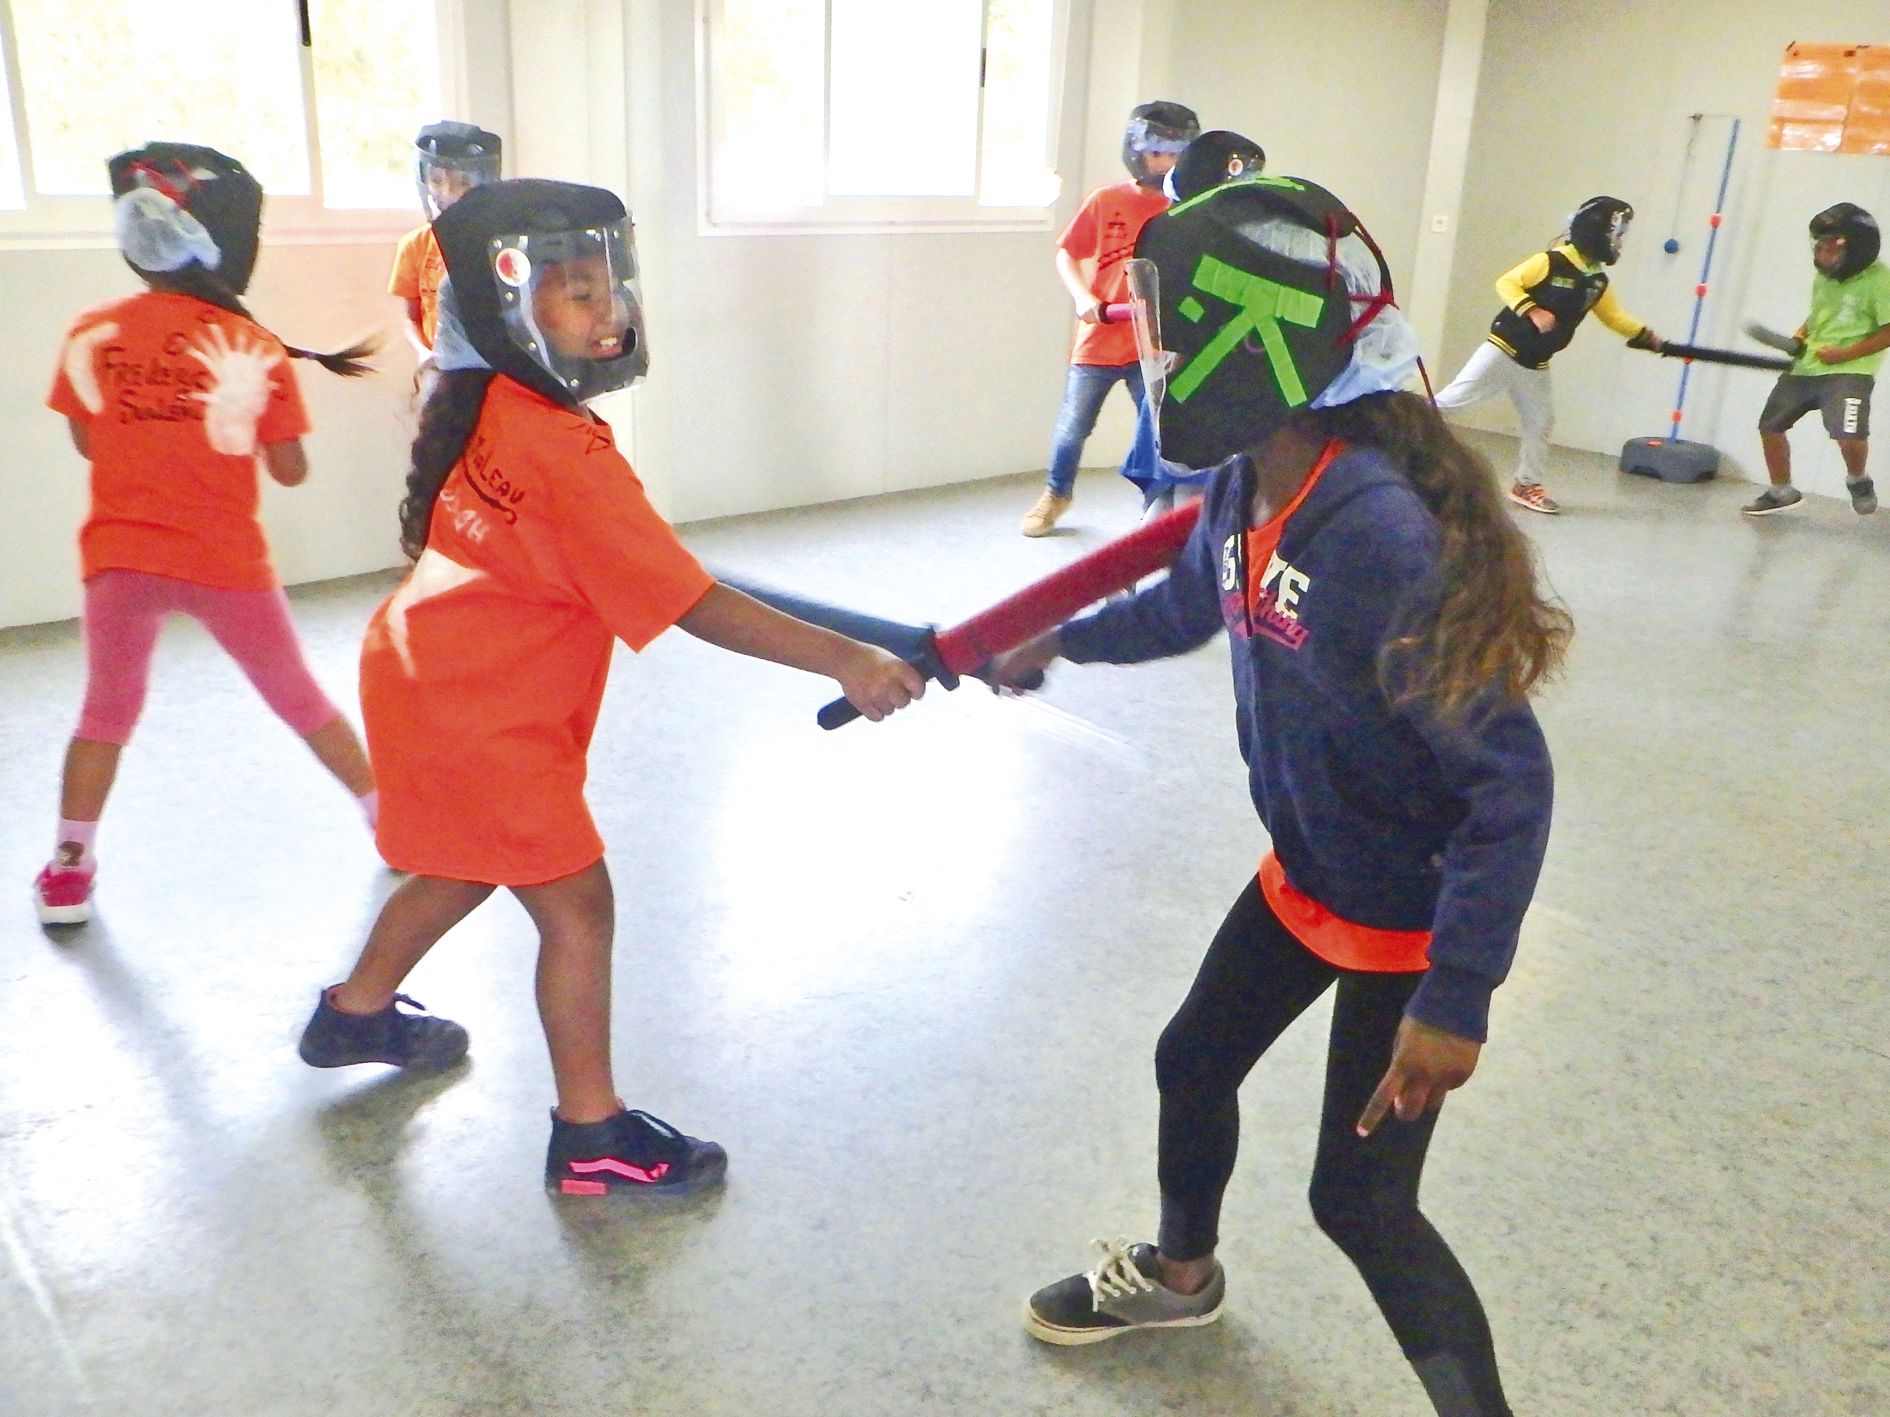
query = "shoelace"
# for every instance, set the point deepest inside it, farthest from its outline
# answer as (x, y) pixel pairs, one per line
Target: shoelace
(409, 1001)
(1117, 1276)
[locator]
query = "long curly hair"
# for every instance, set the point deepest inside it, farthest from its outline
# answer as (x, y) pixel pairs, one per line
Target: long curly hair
(1493, 632)
(447, 420)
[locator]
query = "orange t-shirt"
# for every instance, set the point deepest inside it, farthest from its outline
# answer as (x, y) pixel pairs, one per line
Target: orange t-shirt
(419, 269)
(176, 396)
(1101, 239)
(481, 677)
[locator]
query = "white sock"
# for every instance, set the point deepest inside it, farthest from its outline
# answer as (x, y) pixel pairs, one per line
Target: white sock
(81, 835)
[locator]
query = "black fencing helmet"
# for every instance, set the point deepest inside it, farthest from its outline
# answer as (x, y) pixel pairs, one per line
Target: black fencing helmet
(1214, 157)
(452, 157)
(512, 246)
(1158, 127)
(1254, 334)
(177, 205)
(1857, 229)
(1598, 227)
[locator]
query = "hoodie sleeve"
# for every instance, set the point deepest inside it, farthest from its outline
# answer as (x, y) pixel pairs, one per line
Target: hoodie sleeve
(1497, 764)
(1493, 760)
(1178, 613)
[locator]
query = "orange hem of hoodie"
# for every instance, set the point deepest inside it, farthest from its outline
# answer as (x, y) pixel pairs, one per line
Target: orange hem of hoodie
(1343, 943)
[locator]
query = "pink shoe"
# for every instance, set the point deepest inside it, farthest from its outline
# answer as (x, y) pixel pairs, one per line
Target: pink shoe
(64, 897)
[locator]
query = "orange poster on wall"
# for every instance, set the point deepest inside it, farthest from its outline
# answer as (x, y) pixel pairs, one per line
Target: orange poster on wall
(1832, 98)
(1867, 126)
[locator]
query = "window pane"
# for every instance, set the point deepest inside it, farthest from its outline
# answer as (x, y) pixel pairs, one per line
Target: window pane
(905, 98)
(377, 67)
(12, 194)
(1016, 169)
(109, 75)
(767, 83)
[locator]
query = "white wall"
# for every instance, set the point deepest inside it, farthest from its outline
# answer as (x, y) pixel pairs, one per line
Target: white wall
(1570, 105)
(1342, 92)
(1426, 298)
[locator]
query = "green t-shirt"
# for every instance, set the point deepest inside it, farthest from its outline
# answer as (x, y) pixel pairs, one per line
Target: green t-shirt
(1843, 312)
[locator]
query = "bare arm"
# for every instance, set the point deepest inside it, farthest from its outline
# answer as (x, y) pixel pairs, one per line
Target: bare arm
(80, 439)
(1032, 657)
(286, 462)
(876, 683)
(416, 331)
(1844, 353)
(1088, 307)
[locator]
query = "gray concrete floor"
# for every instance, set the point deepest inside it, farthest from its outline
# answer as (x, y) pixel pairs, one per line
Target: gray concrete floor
(911, 975)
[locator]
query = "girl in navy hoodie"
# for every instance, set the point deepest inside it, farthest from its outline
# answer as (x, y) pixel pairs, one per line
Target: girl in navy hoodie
(1386, 631)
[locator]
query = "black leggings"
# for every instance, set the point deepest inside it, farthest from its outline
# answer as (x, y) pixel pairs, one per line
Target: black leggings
(1255, 980)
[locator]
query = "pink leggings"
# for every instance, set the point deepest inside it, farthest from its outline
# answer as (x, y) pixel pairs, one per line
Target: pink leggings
(124, 611)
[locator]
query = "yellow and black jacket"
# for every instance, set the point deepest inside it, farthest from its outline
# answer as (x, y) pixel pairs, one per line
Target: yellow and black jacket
(1561, 282)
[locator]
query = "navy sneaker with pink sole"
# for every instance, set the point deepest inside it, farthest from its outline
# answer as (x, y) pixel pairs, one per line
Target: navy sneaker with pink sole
(631, 1153)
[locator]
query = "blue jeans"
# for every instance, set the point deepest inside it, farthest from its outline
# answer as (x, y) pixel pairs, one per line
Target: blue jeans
(1083, 394)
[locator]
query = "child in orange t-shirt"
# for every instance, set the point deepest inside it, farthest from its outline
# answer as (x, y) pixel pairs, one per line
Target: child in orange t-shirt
(451, 159)
(1092, 262)
(535, 548)
(172, 395)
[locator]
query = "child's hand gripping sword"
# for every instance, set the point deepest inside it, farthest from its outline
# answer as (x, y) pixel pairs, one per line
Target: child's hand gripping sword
(970, 647)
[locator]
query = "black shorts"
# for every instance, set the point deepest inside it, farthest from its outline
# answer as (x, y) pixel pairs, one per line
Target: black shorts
(1843, 399)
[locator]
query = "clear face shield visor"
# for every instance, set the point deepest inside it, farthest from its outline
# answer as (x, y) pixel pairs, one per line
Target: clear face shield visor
(570, 302)
(1617, 234)
(1144, 137)
(442, 180)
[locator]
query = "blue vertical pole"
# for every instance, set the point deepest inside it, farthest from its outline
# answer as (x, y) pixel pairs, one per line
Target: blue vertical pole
(1706, 267)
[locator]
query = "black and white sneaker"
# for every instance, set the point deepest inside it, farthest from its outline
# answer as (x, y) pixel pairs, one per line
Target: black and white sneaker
(1124, 1292)
(1773, 499)
(630, 1153)
(1863, 495)
(416, 1041)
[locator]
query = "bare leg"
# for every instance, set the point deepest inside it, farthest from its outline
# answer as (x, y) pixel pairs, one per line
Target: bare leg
(1778, 457)
(91, 767)
(576, 918)
(335, 744)
(411, 923)
(1855, 452)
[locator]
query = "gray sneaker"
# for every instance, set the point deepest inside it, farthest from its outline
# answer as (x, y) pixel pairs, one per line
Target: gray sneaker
(1863, 495)
(1123, 1292)
(1773, 499)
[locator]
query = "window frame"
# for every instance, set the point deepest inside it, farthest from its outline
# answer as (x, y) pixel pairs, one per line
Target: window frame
(842, 216)
(68, 222)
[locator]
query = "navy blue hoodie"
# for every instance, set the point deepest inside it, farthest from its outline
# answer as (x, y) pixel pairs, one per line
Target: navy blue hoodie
(1385, 813)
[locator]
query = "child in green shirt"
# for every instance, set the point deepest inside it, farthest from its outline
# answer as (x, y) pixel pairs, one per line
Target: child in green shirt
(1842, 342)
